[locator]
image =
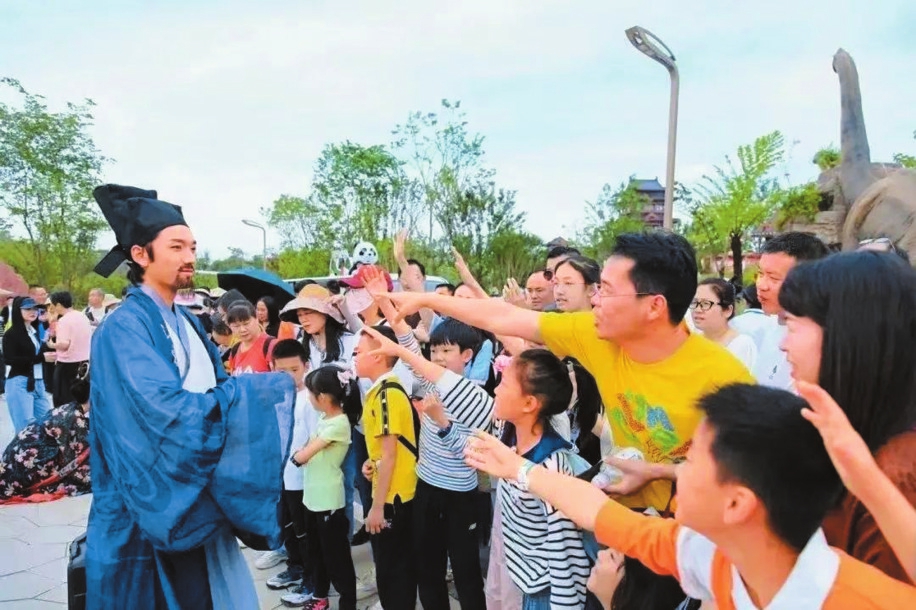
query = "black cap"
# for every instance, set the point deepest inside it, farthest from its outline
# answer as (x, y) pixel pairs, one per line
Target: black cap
(136, 216)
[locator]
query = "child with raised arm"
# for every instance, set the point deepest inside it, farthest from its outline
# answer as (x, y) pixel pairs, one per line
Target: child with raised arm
(751, 497)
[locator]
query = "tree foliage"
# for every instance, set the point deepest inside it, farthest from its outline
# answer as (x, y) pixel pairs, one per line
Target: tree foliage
(827, 158)
(48, 167)
(615, 211)
(740, 195)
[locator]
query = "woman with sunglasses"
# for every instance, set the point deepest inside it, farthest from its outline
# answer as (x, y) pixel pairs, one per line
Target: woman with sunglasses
(575, 281)
(711, 309)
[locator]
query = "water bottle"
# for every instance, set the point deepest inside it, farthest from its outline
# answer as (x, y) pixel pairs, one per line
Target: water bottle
(608, 475)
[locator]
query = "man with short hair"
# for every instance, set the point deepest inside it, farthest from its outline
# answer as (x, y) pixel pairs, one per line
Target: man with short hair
(650, 369)
(555, 256)
(95, 310)
(178, 447)
(780, 254)
(72, 340)
(446, 289)
(539, 292)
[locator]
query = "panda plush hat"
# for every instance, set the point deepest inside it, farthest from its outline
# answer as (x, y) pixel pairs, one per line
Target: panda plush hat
(364, 254)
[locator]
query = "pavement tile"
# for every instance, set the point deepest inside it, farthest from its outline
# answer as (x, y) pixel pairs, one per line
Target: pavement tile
(24, 585)
(17, 556)
(58, 594)
(56, 569)
(32, 604)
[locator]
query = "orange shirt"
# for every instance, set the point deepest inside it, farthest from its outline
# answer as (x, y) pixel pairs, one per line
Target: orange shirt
(823, 577)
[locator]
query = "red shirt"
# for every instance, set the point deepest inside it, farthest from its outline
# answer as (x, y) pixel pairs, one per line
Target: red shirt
(255, 360)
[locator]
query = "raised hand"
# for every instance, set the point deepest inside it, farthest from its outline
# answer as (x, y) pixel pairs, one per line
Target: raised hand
(374, 281)
(848, 451)
(400, 248)
(386, 347)
(514, 294)
(407, 302)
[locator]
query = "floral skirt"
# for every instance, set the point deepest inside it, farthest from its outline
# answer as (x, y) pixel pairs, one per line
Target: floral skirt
(48, 459)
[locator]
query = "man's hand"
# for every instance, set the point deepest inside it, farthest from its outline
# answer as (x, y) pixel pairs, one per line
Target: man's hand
(374, 281)
(636, 475)
(375, 520)
(408, 302)
(368, 470)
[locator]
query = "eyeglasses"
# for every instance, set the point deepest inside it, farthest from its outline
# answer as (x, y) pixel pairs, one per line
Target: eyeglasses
(703, 304)
(879, 244)
(604, 295)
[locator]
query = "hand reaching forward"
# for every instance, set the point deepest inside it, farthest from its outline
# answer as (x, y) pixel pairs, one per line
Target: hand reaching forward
(386, 347)
(848, 451)
(486, 453)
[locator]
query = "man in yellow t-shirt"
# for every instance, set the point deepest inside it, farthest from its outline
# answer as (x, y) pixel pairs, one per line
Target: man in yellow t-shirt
(391, 442)
(650, 369)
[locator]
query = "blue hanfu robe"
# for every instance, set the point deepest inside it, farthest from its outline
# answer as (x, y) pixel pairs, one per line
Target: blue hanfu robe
(177, 474)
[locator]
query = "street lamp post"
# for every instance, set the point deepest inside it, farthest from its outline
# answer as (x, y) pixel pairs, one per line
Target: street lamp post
(651, 45)
(258, 225)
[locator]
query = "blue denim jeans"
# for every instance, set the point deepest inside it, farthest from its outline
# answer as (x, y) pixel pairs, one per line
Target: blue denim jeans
(26, 407)
(537, 601)
(353, 477)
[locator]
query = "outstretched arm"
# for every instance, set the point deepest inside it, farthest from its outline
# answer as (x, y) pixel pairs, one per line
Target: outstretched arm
(493, 315)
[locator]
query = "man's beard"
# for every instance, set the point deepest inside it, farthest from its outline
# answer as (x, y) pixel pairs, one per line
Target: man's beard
(184, 284)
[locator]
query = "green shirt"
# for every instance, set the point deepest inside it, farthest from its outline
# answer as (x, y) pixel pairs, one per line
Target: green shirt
(322, 476)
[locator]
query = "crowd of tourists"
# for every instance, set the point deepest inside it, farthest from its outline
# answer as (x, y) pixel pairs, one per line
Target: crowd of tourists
(612, 435)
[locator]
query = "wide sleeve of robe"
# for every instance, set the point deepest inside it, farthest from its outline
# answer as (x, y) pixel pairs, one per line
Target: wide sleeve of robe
(176, 465)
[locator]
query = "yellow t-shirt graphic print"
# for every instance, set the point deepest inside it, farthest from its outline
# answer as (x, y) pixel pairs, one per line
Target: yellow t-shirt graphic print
(651, 407)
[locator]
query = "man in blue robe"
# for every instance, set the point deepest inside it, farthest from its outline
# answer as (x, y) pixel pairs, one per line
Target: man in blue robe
(184, 459)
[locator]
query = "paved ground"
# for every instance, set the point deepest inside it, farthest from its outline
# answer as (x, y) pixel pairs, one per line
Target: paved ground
(33, 546)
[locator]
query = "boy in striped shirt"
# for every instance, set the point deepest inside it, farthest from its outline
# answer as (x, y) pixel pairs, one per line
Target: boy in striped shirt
(752, 494)
(445, 513)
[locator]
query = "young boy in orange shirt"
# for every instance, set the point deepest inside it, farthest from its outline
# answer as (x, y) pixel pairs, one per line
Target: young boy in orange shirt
(751, 497)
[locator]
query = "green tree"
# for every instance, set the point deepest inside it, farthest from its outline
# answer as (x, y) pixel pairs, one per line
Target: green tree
(48, 167)
(443, 158)
(358, 190)
(740, 195)
(615, 211)
(474, 221)
(906, 160)
(827, 158)
(296, 219)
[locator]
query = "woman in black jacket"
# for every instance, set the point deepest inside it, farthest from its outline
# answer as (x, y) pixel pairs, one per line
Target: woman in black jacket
(24, 355)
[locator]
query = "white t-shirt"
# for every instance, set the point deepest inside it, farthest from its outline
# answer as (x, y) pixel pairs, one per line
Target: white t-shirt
(753, 323)
(305, 422)
(744, 349)
(772, 369)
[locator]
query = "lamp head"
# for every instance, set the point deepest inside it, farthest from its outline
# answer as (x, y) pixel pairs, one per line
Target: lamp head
(651, 45)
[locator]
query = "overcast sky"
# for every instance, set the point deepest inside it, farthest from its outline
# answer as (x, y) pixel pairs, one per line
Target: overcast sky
(222, 106)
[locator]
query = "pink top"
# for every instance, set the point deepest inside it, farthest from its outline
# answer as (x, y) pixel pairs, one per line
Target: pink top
(74, 327)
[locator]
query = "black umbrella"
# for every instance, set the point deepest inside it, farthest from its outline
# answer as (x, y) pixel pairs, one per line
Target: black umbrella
(256, 283)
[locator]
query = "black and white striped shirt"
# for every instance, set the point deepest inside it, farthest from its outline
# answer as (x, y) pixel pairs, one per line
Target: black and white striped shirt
(470, 408)
(543, 548)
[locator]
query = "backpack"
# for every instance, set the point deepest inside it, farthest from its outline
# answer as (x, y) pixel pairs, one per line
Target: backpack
(266, 347)
(383, 396)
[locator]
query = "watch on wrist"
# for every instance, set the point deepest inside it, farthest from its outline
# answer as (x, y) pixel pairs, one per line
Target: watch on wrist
(293, 461)
(521, 479)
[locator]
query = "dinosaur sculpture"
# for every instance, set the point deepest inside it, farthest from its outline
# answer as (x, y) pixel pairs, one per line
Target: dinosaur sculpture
(879, 199)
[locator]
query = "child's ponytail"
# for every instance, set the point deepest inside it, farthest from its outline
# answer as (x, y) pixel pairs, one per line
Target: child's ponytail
(341, 385)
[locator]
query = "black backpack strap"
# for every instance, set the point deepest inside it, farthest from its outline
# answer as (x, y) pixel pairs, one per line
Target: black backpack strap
(383, 395)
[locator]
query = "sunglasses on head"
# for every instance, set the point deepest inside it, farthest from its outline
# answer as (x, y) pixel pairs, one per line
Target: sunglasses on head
(548, 275)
